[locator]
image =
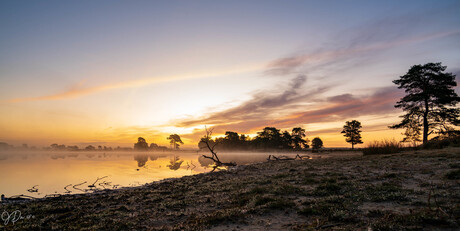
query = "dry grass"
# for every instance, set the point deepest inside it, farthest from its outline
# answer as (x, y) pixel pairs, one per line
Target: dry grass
(383, 147)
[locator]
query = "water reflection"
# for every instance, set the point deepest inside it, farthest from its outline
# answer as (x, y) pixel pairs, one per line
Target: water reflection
(175, 163)
(141, 159)
(39, 174)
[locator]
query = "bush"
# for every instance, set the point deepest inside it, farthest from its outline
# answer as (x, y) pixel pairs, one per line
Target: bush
(442, 142)
(383, 147)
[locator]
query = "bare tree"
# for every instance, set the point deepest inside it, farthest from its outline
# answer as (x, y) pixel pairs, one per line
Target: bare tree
(217, 163)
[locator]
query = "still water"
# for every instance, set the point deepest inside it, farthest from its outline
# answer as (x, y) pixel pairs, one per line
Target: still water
(40, 174)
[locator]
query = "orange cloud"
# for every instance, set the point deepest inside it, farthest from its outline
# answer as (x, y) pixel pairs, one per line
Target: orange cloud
(79, 90)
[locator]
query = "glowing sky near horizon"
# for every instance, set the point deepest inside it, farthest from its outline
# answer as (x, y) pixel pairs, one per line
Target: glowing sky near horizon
(106, 72)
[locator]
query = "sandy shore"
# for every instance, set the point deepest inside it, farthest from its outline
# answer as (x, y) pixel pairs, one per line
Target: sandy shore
(414, 190)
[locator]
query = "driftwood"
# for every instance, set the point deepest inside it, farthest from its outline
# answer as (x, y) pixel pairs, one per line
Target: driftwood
(33, 189)
(67, 190)
(104, 183)
(214, 157)
(53, 195)
(75, 187)
(297, 157)
(99, 178)
(16, 198)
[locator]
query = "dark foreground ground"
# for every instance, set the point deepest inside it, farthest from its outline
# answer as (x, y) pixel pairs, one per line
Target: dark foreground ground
(409, 191)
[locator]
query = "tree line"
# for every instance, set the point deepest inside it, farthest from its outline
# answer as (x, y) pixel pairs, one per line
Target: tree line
(270, 138)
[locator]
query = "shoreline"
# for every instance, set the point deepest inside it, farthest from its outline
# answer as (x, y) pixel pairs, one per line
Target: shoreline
(349, 192)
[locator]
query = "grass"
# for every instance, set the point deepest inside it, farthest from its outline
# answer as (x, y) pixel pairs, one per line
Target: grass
(343, 193)
(383, 147)
(453, 175)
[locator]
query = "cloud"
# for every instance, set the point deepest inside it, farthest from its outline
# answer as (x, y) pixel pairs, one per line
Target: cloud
(349, 52)
(336, 108)
(79, 89)
(261, 105)
(355, 43)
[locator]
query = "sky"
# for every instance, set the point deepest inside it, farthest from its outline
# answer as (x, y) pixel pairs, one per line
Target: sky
(107, 72)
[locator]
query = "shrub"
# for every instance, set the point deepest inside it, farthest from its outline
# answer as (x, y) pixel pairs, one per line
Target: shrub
(382, 147)
(442, 142)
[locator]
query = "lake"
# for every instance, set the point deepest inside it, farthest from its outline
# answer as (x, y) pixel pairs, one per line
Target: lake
(39, 174)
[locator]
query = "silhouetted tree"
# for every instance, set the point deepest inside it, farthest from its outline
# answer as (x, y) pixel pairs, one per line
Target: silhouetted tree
(316, 143)
(153, 146)
(175, 141)
(72, 148)
(231, 140)
(141, 144)
(269, 138)
(286, 140)
(58, 147)
(352, 132)
(430, 99)
(217, 163)
(412, 133)
(90, 148)
(298, 140)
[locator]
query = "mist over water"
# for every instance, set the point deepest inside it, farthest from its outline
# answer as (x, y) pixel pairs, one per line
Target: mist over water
(54, 172)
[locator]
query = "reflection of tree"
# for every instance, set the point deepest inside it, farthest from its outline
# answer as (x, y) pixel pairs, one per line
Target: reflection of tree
(204, 162)
(175, 163)
(141, 159)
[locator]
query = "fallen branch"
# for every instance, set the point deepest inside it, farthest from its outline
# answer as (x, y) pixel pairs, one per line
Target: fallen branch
(104, 183)
(53, 195)
(75, 187)
(99, 178)
(67, 190)
(287, 158)
(16, 198)
(33, 189)
(214, 157)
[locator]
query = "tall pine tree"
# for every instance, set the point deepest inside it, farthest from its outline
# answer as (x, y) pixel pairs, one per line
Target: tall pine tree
(430, 99)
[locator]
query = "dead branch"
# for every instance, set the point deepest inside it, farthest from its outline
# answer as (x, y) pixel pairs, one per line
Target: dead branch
(105, 183)
(21, 197)
(273, 157)
(33, 189)
(99, 178)
(214, 157)
(75, 187)
(67, 190)
(53, 195)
